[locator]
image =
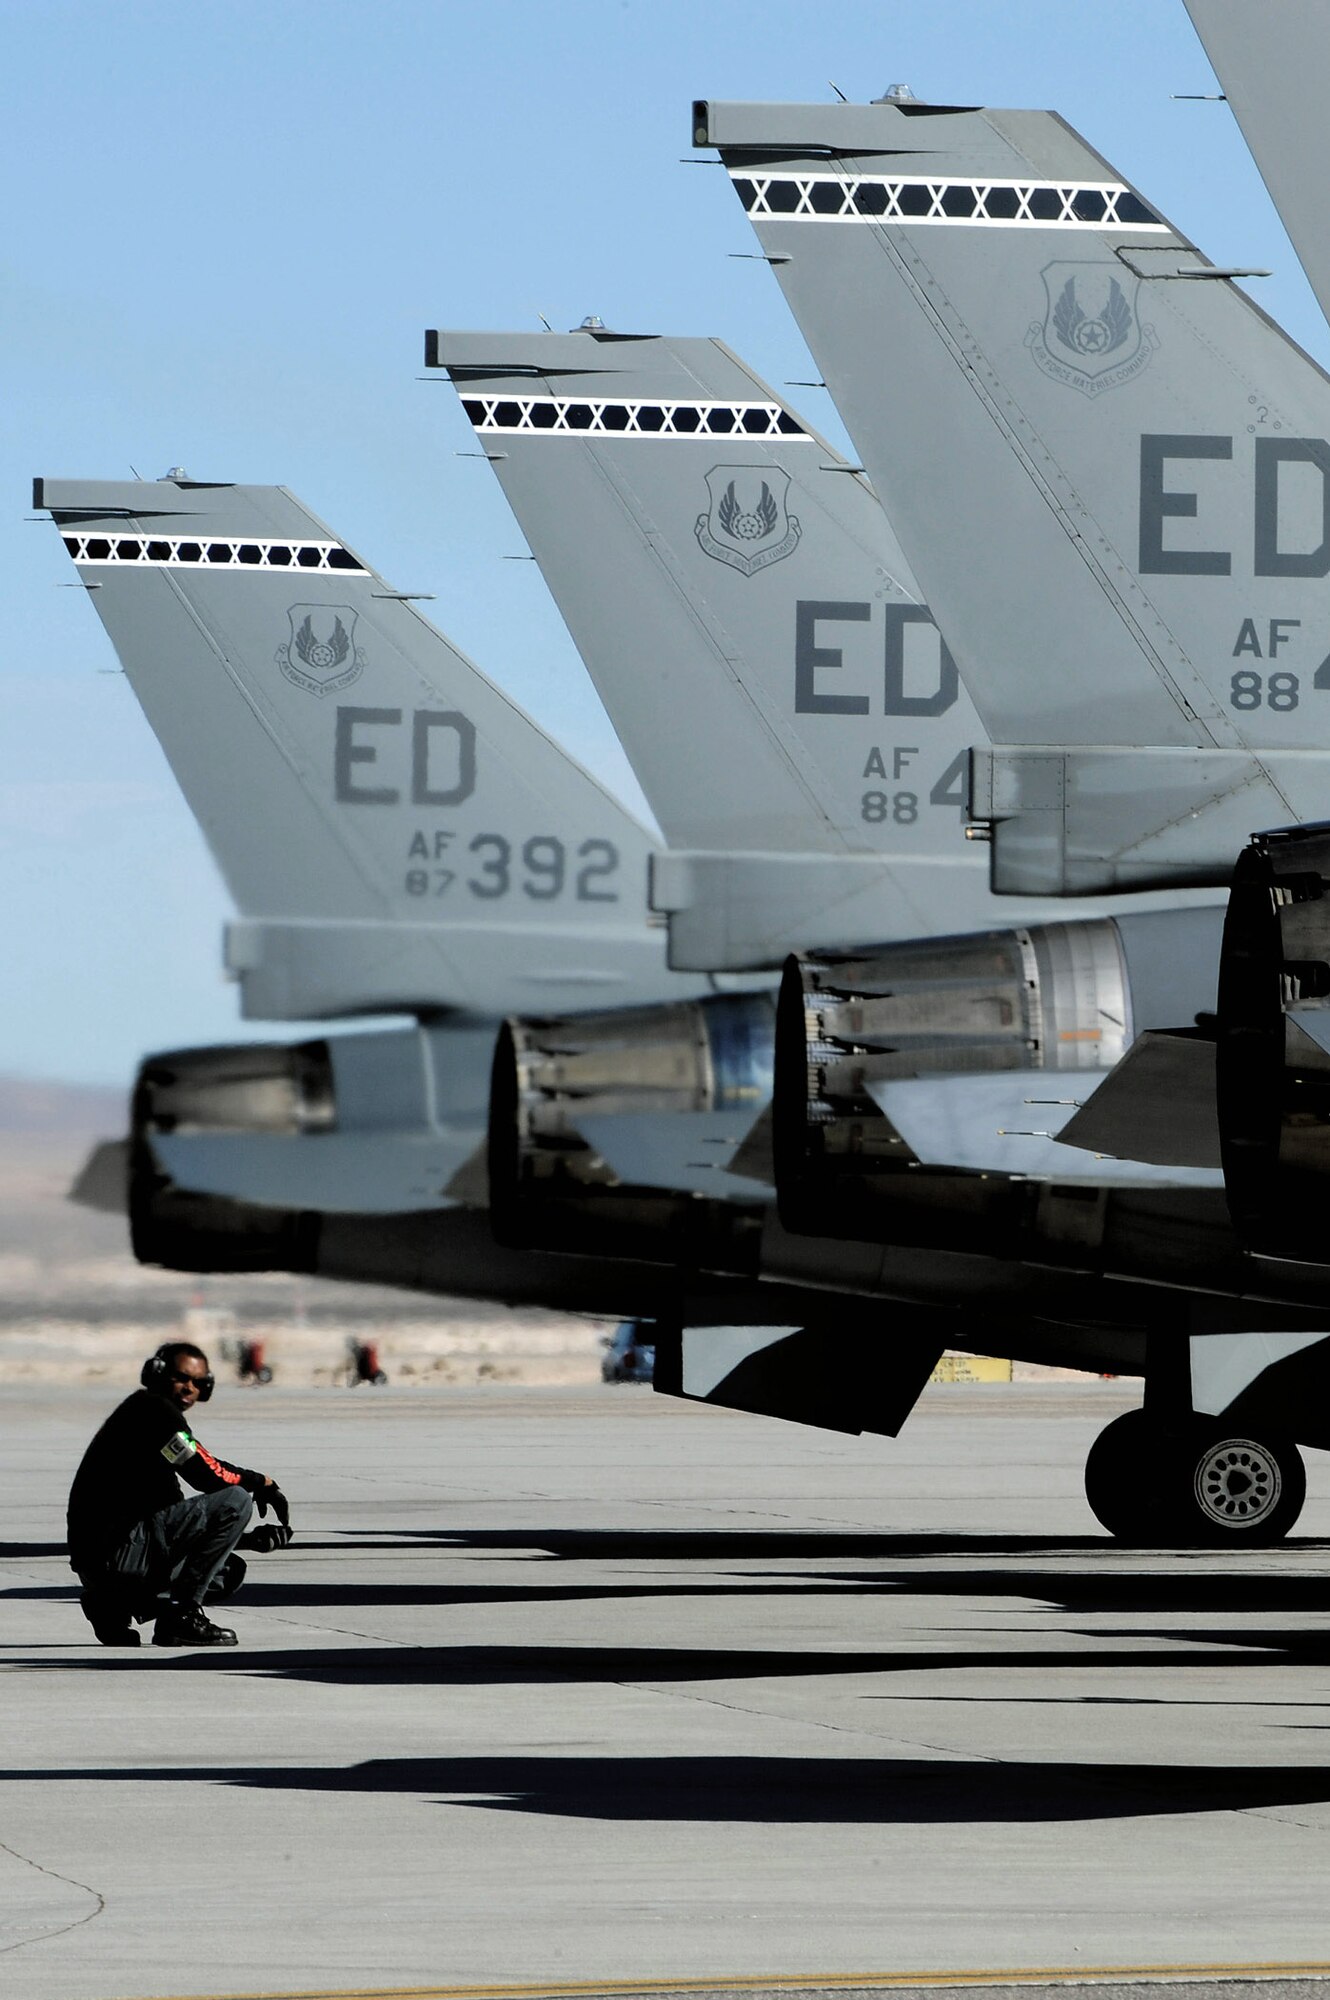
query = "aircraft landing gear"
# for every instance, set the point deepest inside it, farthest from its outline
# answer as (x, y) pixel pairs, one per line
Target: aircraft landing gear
(1122, 1479)
(1199, 1485)
(1245, 1491)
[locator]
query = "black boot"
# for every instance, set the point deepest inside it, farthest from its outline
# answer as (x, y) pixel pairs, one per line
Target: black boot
(108, 1616)
(185, 1625)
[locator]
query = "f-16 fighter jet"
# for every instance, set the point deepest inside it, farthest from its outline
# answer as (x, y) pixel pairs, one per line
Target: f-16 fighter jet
(397, 836)
(1086, 627)
(1036, 358)
(903, 1081)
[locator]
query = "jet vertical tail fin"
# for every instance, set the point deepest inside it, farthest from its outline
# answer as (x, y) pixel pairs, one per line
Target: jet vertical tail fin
(396, 834)
(742, 605)
(1109, 470)
(1272, 63)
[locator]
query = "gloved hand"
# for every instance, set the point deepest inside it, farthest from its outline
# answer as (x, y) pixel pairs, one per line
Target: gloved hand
(267, 1538)
(276, 1499)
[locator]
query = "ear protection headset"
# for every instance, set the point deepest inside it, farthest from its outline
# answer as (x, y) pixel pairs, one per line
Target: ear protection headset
(156, 1368)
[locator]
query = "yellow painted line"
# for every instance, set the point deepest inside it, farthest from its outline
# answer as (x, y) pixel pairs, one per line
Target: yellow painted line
(795, 1982)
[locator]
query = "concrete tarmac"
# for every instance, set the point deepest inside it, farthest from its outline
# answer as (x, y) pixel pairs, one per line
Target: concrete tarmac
(585, 1689)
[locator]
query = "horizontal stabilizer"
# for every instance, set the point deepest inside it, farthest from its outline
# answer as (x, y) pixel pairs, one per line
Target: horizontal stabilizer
(689, 1150)
(1015, 1122)
(102, 1182)
(1313, 1018)
(1158, 1104)
(755, 1160)
(356, 1173)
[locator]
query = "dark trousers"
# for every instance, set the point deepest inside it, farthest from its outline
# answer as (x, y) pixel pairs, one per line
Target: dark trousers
(177, 1552)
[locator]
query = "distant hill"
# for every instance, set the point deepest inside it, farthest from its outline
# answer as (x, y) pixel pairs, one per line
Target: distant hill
(61, 1110)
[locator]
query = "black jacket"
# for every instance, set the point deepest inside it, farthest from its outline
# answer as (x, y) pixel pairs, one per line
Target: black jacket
(129, 1472)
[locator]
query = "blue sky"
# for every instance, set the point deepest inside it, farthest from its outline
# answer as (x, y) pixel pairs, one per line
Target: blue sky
(227, 230)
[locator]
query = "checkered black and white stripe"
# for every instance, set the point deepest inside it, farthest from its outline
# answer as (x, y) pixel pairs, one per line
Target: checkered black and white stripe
(993, 204)
(562, 416)
(190, 552)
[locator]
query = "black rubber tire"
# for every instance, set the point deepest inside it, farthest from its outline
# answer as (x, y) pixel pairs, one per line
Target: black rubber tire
(1203, 1485)
(1126, 1483)
(1237, 1490)
(263, 1374)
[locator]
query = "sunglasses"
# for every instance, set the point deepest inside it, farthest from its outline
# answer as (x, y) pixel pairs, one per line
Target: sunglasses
(175, 1375)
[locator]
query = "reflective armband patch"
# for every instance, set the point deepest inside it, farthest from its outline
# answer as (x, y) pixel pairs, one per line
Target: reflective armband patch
(178, 1448)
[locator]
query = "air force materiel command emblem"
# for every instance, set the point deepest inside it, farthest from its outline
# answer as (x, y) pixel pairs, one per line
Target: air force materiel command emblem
(748, 524)
(1091, 335)
(321, 654)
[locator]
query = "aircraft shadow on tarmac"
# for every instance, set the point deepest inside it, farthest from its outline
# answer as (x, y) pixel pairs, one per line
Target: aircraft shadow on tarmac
(630, 1545)
(775, 1790)
(1174, 1587)
(284, 1596)
(723, 1544)
(534, 1665)
(1113, 1588)
(674, 1545)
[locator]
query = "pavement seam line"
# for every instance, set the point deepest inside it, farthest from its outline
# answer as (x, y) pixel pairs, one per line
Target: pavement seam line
(342, 1631)
(943, 1751)
(56, 1876)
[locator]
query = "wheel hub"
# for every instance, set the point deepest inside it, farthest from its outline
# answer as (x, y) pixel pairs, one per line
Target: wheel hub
(1238, 1483)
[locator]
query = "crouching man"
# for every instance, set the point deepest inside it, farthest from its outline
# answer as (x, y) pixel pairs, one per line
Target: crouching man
(140, 1549)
